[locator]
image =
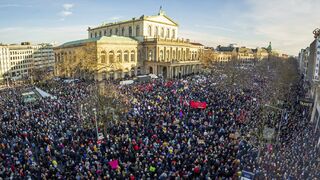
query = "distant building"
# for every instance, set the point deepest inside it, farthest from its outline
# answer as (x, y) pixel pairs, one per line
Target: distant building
(261, 53)
(245, 55)
(303, 61)
(43, 56)
(19, 60)
(144, 45)
(4, 62)
(313, 62)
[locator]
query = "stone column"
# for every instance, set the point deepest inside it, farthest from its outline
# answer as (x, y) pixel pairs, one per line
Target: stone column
(146, 54)
(158, 54)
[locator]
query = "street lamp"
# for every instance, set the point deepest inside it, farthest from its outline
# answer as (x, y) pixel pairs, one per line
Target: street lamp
(96, 121)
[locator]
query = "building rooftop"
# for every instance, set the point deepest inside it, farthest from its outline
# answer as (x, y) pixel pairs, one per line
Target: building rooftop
(196, 44)
(103, 38)
(143, 17)
(225, 48)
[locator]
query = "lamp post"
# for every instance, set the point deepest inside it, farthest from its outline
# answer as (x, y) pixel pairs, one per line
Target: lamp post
(96, 122)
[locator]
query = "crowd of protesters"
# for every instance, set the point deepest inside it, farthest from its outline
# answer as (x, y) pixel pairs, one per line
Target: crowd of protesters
(161, 136)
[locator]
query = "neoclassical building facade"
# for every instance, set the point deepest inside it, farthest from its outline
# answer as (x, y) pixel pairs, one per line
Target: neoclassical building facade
(145, 45)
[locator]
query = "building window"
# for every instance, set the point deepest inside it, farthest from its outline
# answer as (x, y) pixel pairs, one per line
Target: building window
(126, 56)
(162, 32)
(100, 34)
(150, 54)
(105, 32)
(103, 57)
(95, 34)
(111, 57)
(133, 59)
(122, 31)
(119, 56)
(168, 33)
(156, 33)
(150, 31)
(161, 56)
(110, 32)
(91, 35)
(138, 30)
(117, 31)
(130, 31)
(173, 34)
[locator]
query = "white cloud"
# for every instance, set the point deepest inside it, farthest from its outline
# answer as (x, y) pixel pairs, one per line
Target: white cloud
(43, 34)
(13, 5)
(287, 24)
(67, 11)
(215, 27)
(207, 39)
(67, 6)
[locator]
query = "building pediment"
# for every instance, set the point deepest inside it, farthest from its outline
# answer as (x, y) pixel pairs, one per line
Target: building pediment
(162, 19)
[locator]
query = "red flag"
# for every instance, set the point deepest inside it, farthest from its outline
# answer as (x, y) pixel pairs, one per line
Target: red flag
(198, 104)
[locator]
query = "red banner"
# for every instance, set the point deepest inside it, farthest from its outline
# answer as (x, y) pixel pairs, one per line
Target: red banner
(198, 104)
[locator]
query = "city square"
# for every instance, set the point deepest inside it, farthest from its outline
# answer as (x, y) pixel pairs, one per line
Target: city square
(135, 100)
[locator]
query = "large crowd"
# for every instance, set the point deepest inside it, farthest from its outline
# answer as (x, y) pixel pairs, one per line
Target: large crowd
(161, 136)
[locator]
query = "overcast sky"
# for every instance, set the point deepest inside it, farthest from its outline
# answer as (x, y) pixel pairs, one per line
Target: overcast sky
(288, 24)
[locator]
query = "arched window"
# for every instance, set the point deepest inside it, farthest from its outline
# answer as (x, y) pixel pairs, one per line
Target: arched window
(122, 31)
(150, 55)
(168, 33)
(126, 56)
(173, 33)
(161, 56)
(174, 55)
(150, 31)
(162, 32)
(111, 57)
(103, 57)
(119, 56)
(138, 30)
(183, 55)
(110, 32)
(167, 55)
(130, 31)
(133, 59)
(156, 33)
